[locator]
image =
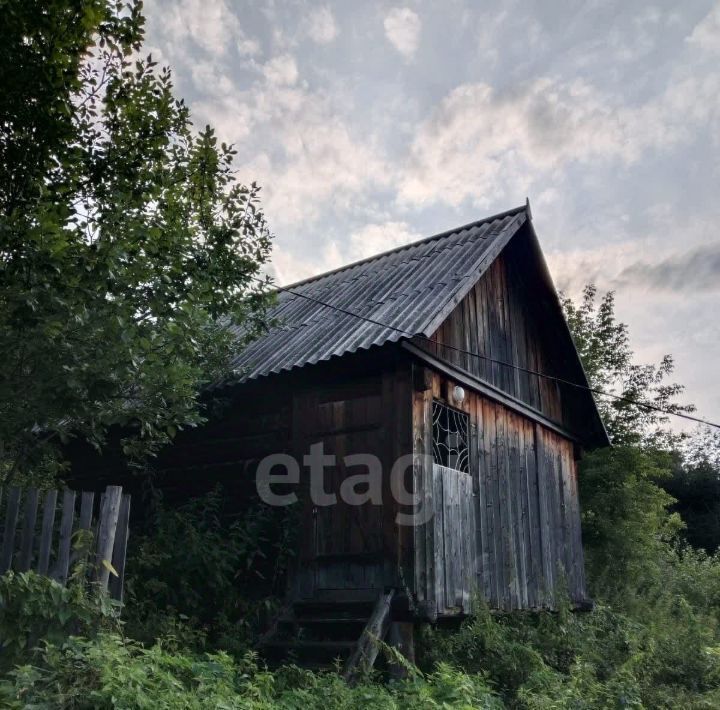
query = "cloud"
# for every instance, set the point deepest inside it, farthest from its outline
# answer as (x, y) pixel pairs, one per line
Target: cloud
(706, 34)
(627, 267)
(321, 26)
(281, 70)
(297, 143)
(696, 270)
(402, 28)
(210, 24)
(209, 76)
(375, 238)
(481, 143)
(247, 47)
(289, 266)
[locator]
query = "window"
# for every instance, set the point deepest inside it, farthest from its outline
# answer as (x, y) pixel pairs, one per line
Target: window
(450, 437)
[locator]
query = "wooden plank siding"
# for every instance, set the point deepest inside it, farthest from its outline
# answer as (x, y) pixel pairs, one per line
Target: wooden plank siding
(526, 530)
(499, 322)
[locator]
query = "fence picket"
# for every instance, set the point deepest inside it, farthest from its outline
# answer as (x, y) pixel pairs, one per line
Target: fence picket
(48, 522)
(120, 550)
(11, 516)
(107, 534)
(28, 531)
(66, 524)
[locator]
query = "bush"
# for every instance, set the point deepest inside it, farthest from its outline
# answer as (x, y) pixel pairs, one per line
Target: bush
(35, 609)
(664, 654)
(109, 672)
(626, 523)
(216, 588)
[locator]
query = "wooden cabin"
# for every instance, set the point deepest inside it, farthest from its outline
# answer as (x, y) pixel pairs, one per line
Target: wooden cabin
(428, 354)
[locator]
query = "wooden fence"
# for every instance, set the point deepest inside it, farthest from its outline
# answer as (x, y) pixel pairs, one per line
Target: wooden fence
(50, 538)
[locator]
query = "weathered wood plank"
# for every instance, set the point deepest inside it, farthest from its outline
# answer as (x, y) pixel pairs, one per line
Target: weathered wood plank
(545, 520)
(120, 549)
(517, 472)
(419, 484)
(533, 502)
(11, 517)
(366, 651)
(106, 533)
(480, 474)
(506, 517)
(87, 499)
(47, 527)
(468, 501)
(28, 531)
(493, 508)
(553, 510)
(429, 506)
(451, 535)
(66, 525)
(439, 551)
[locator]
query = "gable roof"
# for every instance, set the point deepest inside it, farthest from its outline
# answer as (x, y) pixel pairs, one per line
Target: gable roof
(407, 291)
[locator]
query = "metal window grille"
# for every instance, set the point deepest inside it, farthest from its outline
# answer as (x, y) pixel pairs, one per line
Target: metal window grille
(450, 437)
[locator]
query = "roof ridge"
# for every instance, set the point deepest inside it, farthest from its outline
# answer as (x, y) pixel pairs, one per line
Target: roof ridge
(424, 240)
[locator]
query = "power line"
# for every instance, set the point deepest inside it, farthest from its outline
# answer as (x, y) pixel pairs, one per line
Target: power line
(560, 380)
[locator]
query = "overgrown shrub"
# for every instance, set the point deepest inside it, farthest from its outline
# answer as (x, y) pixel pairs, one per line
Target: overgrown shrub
(204, 576)
(35, 609)
(112, 673)
(663, 654)
(626, 521)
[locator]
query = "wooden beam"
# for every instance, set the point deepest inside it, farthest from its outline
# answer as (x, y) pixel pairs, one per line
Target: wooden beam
(401, 637)
(367, 648)
(488, 390)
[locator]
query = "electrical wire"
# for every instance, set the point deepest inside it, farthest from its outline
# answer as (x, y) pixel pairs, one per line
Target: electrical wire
(560, 380)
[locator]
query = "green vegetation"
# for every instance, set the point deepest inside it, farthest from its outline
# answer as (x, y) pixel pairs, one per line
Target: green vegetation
(126, 247)
(125, 243)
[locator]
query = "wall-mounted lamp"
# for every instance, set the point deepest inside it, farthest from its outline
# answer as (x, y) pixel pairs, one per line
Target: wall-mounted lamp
(458, 394)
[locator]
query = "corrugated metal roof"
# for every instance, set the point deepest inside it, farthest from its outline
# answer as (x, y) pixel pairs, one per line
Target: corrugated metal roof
(411, 289)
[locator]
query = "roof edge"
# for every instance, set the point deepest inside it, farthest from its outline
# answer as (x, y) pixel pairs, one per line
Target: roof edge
(440, 235)
(476, 272)
(545, 270)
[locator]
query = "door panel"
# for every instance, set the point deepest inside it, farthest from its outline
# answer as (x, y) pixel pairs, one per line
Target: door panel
(455, 539)
(342, 546)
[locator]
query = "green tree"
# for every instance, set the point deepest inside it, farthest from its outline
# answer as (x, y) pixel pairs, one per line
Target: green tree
(604, 347)
(126, 246)
(695, 484)
(627, 514)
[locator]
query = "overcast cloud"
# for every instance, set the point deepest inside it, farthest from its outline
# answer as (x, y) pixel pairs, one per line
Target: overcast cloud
(372, 124)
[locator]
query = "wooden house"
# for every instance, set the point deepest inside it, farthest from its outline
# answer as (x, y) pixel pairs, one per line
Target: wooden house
(452, 356)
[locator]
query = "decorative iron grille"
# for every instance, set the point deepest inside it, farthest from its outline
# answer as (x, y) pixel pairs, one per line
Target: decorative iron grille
(450, 437)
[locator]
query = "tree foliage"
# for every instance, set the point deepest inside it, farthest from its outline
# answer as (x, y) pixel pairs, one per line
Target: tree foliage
(695, 486)
(126, 245)
(604, 346)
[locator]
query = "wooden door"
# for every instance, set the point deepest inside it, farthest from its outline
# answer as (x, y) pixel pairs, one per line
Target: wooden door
(455, 539)
(342, 543)
(348, 537)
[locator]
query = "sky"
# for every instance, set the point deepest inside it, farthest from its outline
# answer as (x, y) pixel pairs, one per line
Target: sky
(372, 124)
